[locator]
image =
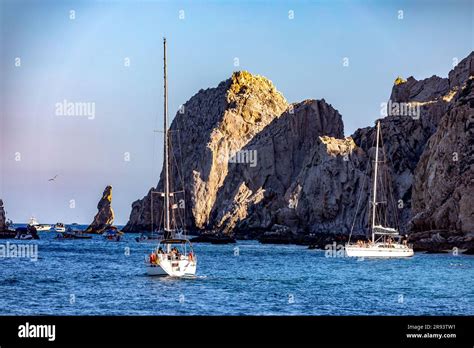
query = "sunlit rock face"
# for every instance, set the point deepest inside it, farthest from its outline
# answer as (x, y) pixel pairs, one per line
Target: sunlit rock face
(214, 125)
(443, 192)
(105, 214)
(255, 198)
(255, 165)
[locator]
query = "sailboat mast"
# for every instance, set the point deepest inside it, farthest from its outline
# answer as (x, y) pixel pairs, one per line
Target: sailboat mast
(166, 161)
(374, 202)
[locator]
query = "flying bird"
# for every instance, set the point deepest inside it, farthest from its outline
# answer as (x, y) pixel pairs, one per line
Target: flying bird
(53, 178)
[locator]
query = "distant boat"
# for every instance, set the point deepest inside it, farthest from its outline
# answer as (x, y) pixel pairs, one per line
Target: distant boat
(39, 227)
(26, 233)
(32, 221)
(385, 240)
(174, 255)
(72, 234)
(113, 234)
(149, 236)
(59, 227)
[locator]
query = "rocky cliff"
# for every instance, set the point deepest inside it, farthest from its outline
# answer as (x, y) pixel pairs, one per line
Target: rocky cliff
(105, 215)
(443, 191)
(213, 126)
(3, 220)
(256, 167)
(274, 193)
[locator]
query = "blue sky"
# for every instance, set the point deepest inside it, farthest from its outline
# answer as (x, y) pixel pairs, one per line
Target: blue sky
(82, 60)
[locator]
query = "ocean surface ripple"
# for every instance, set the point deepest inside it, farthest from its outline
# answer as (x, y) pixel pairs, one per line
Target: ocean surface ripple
(99, 277)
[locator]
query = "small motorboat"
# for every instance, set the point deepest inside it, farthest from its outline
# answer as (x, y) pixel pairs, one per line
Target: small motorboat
(26, 233)
(113, 234)
(59, 227)
(43, 227)
(72, 234)
(150, 236)
(39, 227)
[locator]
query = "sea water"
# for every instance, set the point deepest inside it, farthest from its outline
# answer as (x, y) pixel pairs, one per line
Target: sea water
(99, 277)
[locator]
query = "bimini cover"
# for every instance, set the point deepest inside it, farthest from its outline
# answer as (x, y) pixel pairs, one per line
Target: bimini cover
(378, 229)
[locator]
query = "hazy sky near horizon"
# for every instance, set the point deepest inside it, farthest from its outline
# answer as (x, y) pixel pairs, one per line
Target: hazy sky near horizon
(83, 60)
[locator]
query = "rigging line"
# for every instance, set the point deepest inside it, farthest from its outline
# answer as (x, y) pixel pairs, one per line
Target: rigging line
(383, 182)
(389, 201)
(358, 205)
(179, 172)
(389, 206)
(162, 216)
(180, 217)
(172, 216)
(177, 216)
(372, 193)
(360, 196)
(390, 194)
(153, 154)
(389, 191)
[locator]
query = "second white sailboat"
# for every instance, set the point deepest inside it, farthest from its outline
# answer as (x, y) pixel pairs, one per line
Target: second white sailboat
(385, 241)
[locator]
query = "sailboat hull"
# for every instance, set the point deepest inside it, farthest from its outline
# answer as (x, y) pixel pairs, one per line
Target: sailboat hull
(379, 250)
(155, 270)
(42, 228)
(173, 268)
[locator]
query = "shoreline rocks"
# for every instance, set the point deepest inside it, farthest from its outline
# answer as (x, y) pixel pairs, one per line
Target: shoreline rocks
(213, 238)
(3, 220)
(5, 232)
(442, 241)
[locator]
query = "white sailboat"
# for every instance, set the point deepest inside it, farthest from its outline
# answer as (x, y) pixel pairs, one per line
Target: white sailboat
(174, 255)
(385, 241)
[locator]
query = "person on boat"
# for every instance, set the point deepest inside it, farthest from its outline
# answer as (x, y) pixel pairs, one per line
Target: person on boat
(153, 258)
(160, 250)
(405, 240)
(173, 253)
